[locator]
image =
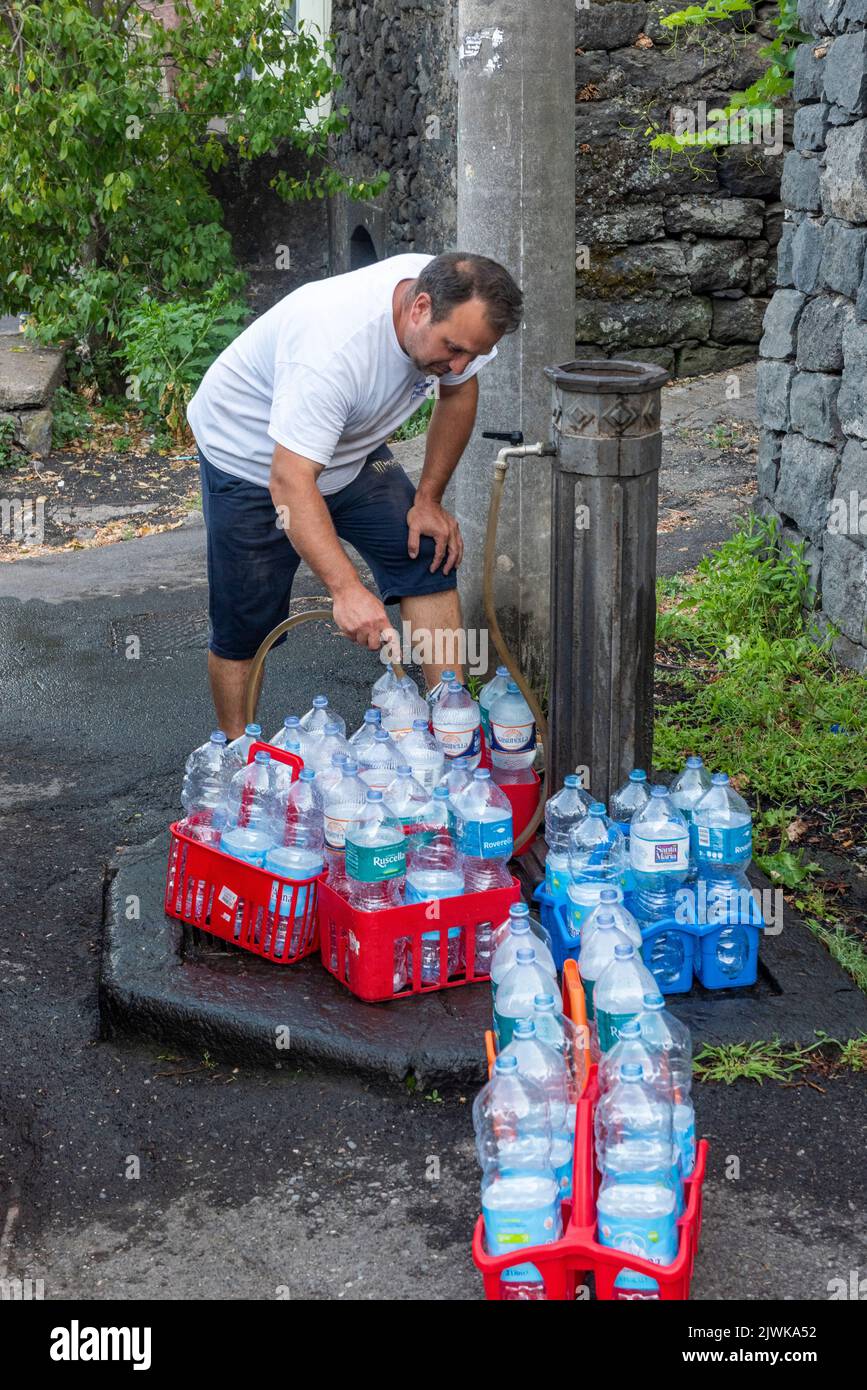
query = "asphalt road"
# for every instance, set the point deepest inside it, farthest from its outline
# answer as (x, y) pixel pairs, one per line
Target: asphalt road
(130, 1174)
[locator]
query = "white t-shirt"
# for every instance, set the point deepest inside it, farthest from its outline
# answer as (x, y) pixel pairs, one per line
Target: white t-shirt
(321, 373)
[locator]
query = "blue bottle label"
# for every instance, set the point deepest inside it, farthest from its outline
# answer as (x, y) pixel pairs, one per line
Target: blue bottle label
(486, 839)
(732, 845)
(650, 1237)
(609, 1028)
(685, 1138)
(556, 880)
(506, 1232)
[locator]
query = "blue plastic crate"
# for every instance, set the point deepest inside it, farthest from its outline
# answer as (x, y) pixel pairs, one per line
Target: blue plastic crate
(707, 968)
(554, 918)
(685, 944)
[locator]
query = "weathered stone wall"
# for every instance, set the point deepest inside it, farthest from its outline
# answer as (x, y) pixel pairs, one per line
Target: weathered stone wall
(812, 379)
(681, 258)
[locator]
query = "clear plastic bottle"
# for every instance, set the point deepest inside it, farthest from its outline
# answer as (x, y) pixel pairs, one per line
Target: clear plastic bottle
(513, 730)
(456, 720)
(331, 744)
(328, 777)
(611, 903)
(293, 738)
(538, 1061)
(483, 833)
(207, 773)
(375, 857)
(686, 791)
(553, 1027)
(722, 831)
(442, 685)
(516, 992)
(239, 749)
(302, 821)
(519, 929)
(641, 1219)
(383, 687)
(597, 850)
(253, 801)
(563, 812)
(406, 799)
(659, 855)
(597, 951)
(520, 1195)
(403, 707)
(379, 760)
(619, 993)
(632, 797)
(299, 863)
(660, 1029)
(343, 802)
(364, 734)
(319, 714)
(433, 871)
(419, 747)
(729, 903)
(488, 693)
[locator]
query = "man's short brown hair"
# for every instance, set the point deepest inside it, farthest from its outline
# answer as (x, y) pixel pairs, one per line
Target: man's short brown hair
(456, 276)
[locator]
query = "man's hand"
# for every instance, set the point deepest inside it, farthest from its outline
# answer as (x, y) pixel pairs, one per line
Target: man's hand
(360, 616)
(428, 518)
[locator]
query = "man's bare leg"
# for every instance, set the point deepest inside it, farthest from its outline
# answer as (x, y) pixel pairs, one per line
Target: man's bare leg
(436, 620)
(228, 688)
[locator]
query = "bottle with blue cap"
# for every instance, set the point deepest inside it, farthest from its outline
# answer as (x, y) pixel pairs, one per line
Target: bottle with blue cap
(538, 1061)
(483, 832)
(324, 749)
(611, 904)
(721, 837)
(207, 773)
(513, 730)
(520, 929)
(633, 1047)
(292, 738)
(238, 750)
(375, 857)
(489, 692)
(516, 991)
(403, 707)
(597, 952)
(424, 757)
(379, 760)
(686, 791)
(597, 860)
(659, 855)
(570, 1040)
(638, 1200)
(364, 733)
(520, 1193)
(434, 871)
(562, 813)
(320, 714)
(619, 993)
(456, 720)
(298, 862)
(302, 816)
(256, 797)
(631, 797)
(383, 688)
(406, 798)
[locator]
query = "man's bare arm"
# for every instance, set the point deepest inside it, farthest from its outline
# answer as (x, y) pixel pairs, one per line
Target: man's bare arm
(307, 521)
(450, 428)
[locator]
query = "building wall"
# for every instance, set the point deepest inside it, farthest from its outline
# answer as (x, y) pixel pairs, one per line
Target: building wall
(812, 379)
(676, 263)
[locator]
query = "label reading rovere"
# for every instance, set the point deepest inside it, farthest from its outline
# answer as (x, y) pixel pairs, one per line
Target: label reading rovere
(375, 863)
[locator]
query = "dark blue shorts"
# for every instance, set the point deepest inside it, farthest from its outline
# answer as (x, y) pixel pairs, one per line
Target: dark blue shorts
(252, 563)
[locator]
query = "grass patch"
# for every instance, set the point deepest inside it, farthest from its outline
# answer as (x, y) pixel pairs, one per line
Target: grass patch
(848, 950)
(771, 1061)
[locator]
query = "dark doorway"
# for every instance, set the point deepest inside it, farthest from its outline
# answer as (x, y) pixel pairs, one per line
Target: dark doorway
(361, 249)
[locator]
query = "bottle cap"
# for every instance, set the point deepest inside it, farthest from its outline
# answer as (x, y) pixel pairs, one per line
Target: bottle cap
(544, 1003)
(694, 761)
(481, 774)
(631, 1071)
(631, 1029)
(254, 730)
(441, 793)
(332, 727)
(350, 766)
(658, 790)
(262, 757)
(719, 779)
(596, 808)
(320, 701)
(404, 770)
(372, 716)
(513, 688)
(502, 1065)
(570, 780)
(624, 952)
(609, 895)
(525, 955)
(307, 774)
(502, 670)
(606, 919)
(419, 723)
(374, 795)
(291, 721)
(638, 775)
(218, 737)
(381, 735)
(653, 1001)
(524, 1028)
(519, 910)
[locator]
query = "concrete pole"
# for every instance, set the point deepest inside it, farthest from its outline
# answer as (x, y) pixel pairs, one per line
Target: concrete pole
(516, 203)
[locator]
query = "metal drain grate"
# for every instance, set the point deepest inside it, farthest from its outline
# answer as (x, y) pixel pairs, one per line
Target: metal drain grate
(160, 634)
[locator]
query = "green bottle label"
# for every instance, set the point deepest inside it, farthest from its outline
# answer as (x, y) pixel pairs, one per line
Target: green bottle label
(588, 997)
(609, 1027)
(375, 863)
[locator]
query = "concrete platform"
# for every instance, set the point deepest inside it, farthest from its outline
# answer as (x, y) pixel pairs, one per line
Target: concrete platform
(167, 984)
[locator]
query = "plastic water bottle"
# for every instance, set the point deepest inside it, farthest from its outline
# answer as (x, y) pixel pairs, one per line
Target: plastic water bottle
(238, 750)
(379, 760)
(611, 904)
(554, 1028)
(670, 1038)
(364, 734)
(456, 719)
(403, 707)
(520, 929)
(659, 855)
(383, 687)
(293, 738)
(375, 857)
(483, 833)
(631, 1108)
(207, 773)
(299, 863)
(250, 846)
(562, 813)
(328, 777)
(730, 903)
(520, 1194)
(631, 797)
(302, 820)
(722, 831)
(639, 1218)
(322, 750)
(513, 730)
(686, 791)
(318, 716)
(619, 993)
(343, 803)
(253, 800)
(433, 870)
(634, 1048)
(597, 850)
(597, 952)
(516, 992)
(406, 799)
(538, 1061)
(419, 747)
(488, 694)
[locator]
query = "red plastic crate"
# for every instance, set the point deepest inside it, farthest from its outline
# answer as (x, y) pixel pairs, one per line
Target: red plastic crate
(358, 948)
(235, 901)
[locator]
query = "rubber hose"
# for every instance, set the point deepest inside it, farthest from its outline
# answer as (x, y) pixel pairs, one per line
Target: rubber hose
(500, 643)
